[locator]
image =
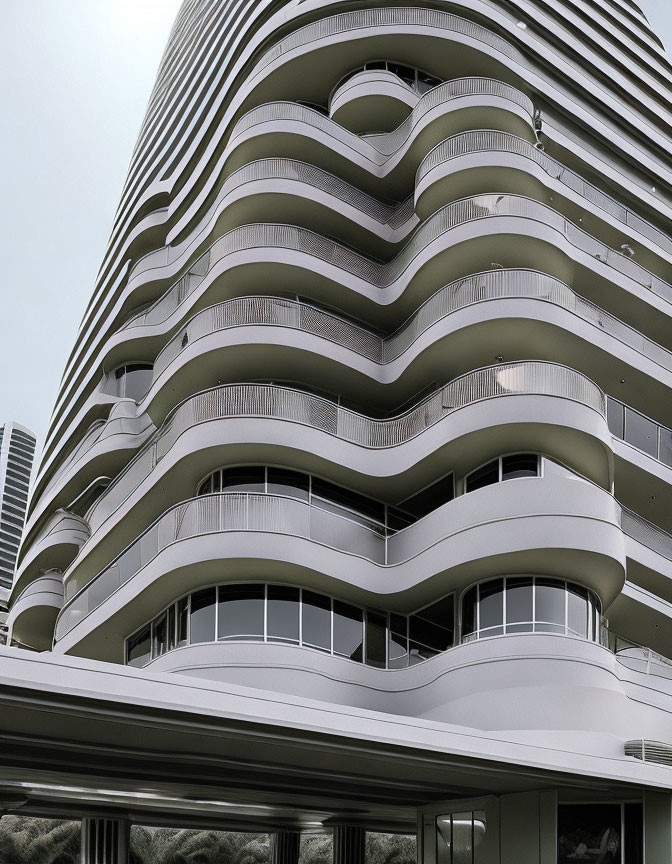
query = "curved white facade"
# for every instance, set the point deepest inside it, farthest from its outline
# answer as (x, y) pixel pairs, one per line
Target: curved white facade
(412, 267)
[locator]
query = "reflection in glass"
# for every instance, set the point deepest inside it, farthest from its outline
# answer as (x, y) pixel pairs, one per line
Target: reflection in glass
(577, 610)
(641, 432)
(138, 648)
(550, 606)
(241, 612)
(491, 607)
(202, 617)
(316, 621)
(458, 837)
(519, 605)
(283, 613)
(348, 631)
(589, 832)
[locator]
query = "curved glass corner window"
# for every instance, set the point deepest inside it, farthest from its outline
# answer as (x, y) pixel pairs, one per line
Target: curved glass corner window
(459, 836)
(252, 612)
(504, 468)
(133, 380)
(530, 604)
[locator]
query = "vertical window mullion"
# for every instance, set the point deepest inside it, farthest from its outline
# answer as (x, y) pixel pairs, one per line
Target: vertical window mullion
(217, 613)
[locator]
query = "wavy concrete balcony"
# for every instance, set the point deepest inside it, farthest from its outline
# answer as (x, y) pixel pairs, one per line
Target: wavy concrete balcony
(56, 545)
(543, 227)
(516, 165)
(425, 32)
(554, 682)
(199, 350)
(33, 613)
(493, 528)
(583, 412)
(372, 101)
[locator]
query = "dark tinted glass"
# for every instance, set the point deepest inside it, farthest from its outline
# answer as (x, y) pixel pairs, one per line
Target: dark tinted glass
(577, 610)
(518, 605)
(241, 612)
(469, 623)
(316, 620)
(397, 642)
(425, 633)
(202, 618)
(138, 648)
(243, 479)
(429, 499)
(641, 432)
(550, 606)
(347, 498)
(485, 476)
(292, 483)
(348, 630)
(491, 605)
(615, 417)
(172, 635)
(376, 639)
(283, 613)
(520, 465)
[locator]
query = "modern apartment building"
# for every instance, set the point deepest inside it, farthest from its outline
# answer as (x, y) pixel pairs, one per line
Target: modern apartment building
(355, 513)
(17, 450)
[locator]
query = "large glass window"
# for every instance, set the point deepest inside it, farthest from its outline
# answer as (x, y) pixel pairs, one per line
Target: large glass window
(241, 612)
(278, 613)
(283, 613)
(590, 832)
(527, 604)
(504, 468)
(202, 617)
(133, 380)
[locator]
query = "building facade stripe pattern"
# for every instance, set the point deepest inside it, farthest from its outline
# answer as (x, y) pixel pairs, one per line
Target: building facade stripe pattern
(370, 411)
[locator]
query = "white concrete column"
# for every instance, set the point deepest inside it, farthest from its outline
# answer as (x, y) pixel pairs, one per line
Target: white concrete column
(349, 844)
(104, 841)
(285, 847)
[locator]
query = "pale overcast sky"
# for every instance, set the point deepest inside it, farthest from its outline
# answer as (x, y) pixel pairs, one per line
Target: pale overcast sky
(75, 77)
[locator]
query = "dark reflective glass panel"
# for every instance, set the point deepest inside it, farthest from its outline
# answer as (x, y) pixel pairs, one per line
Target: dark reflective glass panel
(241, 612)
(244, 479)
(484, 476)
(348, 499)
(292, 483)
(616, 418)
(520, 465)
(577, 610)
(589, 831)
(469, 613)
(316, 620)
(283, 613)
(549, 606)
(202, 617)
(491, 607)
(159, 635)
(519, 597)
(429, 499)
(183, 621)
(348, 631)
(376, 639)
(138, 648)
(641, 432)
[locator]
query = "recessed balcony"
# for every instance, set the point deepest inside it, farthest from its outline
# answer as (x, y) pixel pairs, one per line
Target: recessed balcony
(34, 611)
(374, 101)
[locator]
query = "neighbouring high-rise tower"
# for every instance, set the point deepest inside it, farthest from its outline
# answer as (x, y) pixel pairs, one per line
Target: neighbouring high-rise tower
(355, 512)
(17, 450)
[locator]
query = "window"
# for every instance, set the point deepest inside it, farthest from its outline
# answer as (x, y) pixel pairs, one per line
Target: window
(139, 648)
(316, 621)
(504, 468)
(240, 612)
(458, 837)
(133, 380)
(348, 631)
(283, 613)
(202, 617)
(420, 81)
(527, 604)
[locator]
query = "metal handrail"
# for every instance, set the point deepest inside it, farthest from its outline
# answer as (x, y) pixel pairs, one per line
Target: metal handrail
(284, 403)
(480, 287)
(493, 140)
(383, 275)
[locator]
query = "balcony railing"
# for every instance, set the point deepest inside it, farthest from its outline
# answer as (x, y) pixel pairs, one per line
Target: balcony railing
(284, 403)
(245, 511)
(493, 140)
(481, 287)
(640, 431)
(382, 275)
